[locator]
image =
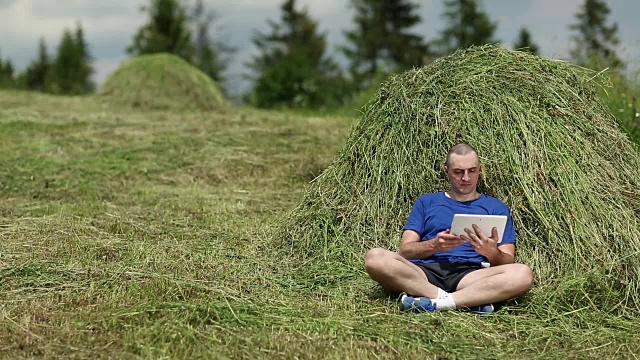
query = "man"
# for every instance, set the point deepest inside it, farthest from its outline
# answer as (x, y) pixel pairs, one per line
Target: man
(438, 270)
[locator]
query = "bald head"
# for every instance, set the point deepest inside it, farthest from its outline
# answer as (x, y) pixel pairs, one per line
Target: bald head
(463, 171)
(460, 149)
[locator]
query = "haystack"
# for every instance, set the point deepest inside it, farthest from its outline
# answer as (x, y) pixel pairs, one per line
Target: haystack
(549, 148)
(161, 81)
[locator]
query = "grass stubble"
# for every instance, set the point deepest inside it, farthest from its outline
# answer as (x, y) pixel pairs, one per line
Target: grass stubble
(149, 235)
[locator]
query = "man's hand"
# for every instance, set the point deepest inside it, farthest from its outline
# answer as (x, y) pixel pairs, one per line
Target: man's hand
(446, 241)
(483, 245)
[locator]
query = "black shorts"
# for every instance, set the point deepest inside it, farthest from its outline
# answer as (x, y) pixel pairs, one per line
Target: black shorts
(447, 275)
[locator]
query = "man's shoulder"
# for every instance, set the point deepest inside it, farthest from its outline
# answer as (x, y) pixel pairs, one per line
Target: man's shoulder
(430, 196)
(495, 202)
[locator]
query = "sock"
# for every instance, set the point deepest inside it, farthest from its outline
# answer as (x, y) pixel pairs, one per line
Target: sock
(444, 301)
(441, 294)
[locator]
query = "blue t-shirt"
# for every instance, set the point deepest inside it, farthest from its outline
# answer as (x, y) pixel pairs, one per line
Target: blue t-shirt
(433, 213)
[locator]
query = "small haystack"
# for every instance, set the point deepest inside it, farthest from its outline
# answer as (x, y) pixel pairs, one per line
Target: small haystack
(550, 150)
(161, 81)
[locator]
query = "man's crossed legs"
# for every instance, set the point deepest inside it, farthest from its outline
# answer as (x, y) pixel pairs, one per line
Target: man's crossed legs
(479, 287)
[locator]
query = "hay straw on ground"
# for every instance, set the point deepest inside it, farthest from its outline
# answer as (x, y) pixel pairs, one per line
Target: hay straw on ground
(549, 149)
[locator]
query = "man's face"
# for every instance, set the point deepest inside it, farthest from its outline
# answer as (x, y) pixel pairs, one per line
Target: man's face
(463, 172)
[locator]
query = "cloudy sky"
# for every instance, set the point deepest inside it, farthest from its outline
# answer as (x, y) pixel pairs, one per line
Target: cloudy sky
(111, 24)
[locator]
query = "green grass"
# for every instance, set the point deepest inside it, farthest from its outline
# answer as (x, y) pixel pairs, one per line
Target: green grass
(146, 235)
(623, 99)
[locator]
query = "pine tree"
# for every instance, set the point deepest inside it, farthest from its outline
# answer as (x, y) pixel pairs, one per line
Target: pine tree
(525, 43)
(210, 56)
(4, 78)
(37, 75)
(166, 31)
(381, 40)
(67, 64)
(595, 42)
(171, 28)
(7, 76)
(467, 25)
(6, 73)
(8, 69)
(84, 70)
(292, 69)
(71, 70)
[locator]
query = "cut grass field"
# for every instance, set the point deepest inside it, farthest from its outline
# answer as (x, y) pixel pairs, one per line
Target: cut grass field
(146, 235)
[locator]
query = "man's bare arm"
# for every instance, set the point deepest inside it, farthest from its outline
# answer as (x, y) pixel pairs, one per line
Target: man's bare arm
(412, 248)
(489, 247)
(505, 254)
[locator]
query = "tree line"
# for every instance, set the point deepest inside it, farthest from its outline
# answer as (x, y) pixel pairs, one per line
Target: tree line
(293, 67)
(68, 72)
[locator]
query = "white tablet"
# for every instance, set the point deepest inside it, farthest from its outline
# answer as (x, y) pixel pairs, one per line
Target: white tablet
(485, 222)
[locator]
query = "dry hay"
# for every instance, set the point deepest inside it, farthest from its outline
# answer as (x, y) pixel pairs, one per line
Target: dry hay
(549, 148)
(161, 81)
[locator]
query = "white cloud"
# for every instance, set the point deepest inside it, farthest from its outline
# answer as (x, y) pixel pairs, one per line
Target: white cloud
(548, 21)
(554, 9)
(83, 8)
(7, 3)
(320, 9)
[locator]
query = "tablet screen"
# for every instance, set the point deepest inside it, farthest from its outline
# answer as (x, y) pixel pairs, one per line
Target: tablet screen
(485, 222)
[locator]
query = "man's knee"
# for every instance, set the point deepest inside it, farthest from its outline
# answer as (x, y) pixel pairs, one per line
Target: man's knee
(522, 277)
(376, 259)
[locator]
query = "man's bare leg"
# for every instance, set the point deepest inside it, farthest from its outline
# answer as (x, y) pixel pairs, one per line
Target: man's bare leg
(396, 273)
(479, 287)
(493, 284)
